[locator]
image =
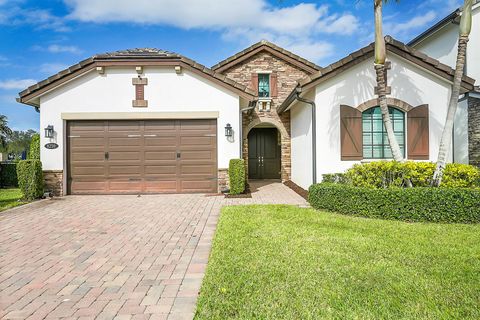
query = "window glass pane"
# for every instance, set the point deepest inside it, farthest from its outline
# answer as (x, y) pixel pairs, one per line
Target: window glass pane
(398, 125)
(367, 124)
(367, 138)
(377, 125)
(377, 138)
(263, 85)
(367, 152)
(387, 152)
(377, 152)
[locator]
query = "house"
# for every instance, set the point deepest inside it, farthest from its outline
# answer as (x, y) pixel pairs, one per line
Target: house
(148, 120)
(440, 42)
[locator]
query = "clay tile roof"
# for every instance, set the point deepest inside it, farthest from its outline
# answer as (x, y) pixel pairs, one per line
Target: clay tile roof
(279, 51)
(137, 54)
(394, 46)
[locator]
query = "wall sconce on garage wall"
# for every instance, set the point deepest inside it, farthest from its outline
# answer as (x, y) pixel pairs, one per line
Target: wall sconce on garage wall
(228, 130)
(49, 132)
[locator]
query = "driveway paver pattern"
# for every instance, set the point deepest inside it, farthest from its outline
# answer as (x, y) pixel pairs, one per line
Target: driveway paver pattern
(113, 257)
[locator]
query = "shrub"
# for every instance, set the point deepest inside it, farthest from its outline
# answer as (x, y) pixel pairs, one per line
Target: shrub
(411, 204)
(335, 178)
(386, 174)
(236, 173)
(34, 152)
(8, 174)
(30, 178)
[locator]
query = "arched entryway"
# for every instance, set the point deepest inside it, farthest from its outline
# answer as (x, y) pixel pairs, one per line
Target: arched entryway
(265, 140)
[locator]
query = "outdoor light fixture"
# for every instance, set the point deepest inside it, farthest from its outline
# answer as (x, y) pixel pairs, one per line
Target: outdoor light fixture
(228, 130)
(49, 131)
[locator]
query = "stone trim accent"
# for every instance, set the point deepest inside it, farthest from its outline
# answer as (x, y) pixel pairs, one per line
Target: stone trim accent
(140, 81)
(223, 179)
(474, 131)
(400, 104)
(53, 182)
(261, 120)
(139, 103)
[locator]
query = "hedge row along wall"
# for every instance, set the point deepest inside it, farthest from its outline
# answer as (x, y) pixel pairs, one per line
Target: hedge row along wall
(413, 204)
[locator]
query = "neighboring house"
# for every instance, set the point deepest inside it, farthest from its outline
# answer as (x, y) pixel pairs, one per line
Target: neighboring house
(440, 42)
(147, 120)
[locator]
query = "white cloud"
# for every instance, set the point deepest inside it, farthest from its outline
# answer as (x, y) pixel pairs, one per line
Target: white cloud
(297, 27)
(56, 48)
(50, 68)
(12, 14)
(417, 22)
(16, 84)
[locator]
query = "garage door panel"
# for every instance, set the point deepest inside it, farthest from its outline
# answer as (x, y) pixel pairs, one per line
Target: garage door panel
(160, 155)
(142, 156)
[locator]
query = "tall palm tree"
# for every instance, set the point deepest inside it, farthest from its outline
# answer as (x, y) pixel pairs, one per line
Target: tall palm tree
(5, 131)
(380, 58)
(446, 140)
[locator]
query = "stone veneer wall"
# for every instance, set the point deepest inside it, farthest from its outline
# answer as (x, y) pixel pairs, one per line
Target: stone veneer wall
(53, 182)
(223, 180)
(474, 131)
(287, 75)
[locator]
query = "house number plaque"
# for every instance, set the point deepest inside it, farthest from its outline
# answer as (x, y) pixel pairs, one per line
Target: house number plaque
(51, 145)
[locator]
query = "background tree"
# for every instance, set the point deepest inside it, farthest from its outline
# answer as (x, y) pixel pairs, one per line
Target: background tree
(446, 140)
(19, 142)
(5, 131)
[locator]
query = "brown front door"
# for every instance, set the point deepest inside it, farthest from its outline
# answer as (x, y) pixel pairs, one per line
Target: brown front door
(150, 156)
(263, 154)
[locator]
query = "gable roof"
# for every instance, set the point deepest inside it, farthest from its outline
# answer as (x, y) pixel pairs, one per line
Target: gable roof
(453, 17)
(131, 57)
(393, 46)
(273, 49)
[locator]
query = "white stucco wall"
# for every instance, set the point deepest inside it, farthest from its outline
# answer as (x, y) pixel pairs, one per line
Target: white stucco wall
(442, 45)
(353, 87)
(113, 92)
(301, 143)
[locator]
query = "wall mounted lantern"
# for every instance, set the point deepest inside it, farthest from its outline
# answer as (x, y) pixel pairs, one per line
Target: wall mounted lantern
(49, 131)
(228, 130)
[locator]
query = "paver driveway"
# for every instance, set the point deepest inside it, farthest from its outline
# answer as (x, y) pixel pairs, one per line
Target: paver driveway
(106, 257)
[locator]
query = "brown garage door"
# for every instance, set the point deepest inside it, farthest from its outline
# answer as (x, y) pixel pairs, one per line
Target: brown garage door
(151, 156)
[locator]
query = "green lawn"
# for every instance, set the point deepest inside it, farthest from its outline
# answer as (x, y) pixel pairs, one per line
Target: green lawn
(284, 262)
(10, 198)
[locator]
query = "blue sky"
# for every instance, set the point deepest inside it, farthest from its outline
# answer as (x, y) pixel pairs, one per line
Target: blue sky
(42, 37)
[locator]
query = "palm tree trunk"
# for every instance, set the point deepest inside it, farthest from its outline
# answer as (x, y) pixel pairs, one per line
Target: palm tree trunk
(446, 140)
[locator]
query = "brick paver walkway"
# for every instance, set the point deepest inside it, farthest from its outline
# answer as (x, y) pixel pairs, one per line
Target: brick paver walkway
(112, 257)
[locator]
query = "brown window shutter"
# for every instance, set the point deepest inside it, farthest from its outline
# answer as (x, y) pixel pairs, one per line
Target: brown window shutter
(418, 133)
(351, 133)
(273, 85)
(255, 82)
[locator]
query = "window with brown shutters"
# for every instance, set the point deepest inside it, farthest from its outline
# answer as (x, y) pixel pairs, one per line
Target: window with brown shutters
(418, 133)
(351, 133)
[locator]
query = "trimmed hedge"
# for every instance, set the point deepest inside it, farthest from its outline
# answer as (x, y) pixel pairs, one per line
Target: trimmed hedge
(30, 178)
(412, 204)
(34, 152)
(8, 174)
(236, 173)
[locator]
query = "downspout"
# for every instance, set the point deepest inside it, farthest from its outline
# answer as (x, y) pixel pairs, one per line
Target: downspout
(314, 131)
(251, 105)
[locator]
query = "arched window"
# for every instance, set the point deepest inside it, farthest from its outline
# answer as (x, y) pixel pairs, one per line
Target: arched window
(375, 140)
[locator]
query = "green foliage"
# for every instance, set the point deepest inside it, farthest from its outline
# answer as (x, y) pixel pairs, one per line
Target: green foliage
(335, 178)
(19, 141)
(387, 174)
(30, 178)
(34, 147)
(236, 173)
(411, 204)
(8, 174)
